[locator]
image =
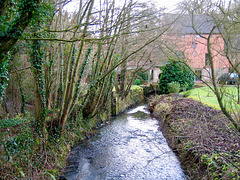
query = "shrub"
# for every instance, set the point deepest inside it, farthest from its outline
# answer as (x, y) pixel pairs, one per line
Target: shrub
(162, 110)
(178, 72)
(137, 82)
(184, 87)
(141, 76)
(173, 87)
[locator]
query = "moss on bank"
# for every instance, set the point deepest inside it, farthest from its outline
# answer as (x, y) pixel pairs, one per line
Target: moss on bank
(204, 140)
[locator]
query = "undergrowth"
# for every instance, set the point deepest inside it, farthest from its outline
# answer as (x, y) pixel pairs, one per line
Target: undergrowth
(26, 156)
(23, 156)
(206, 143)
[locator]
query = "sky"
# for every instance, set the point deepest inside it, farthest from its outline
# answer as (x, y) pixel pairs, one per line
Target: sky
(169, 4)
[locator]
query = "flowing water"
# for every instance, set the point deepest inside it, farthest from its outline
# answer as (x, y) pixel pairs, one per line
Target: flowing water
(131, 147)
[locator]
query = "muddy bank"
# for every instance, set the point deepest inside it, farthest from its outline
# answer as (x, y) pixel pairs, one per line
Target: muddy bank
(204, 140)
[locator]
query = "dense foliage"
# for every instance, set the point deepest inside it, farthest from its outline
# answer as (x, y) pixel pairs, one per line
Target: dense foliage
(178, 72)
(142, 77)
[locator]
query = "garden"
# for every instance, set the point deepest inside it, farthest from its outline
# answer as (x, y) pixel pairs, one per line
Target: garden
(200, 133)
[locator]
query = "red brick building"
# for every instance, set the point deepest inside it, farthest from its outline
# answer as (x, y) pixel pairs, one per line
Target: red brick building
(187, 37)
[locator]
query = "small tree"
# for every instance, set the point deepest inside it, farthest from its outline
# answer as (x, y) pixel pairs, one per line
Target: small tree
(178, 72)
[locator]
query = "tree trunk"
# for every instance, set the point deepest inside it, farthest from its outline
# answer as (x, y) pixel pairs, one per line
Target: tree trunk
(40, 102)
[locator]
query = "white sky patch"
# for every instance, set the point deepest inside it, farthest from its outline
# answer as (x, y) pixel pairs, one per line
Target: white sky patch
(168, 4)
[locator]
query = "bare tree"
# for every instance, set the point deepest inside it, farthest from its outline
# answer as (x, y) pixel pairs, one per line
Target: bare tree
(74, 57)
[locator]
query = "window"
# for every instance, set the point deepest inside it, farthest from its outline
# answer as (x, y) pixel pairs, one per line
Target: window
(198, 74)
(207, 61)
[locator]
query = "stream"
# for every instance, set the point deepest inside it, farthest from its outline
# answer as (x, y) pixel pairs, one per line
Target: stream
(131, 147)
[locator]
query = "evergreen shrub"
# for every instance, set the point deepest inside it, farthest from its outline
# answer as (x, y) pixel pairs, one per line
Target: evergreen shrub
(137, 82)
(178, 72)
(142, 77)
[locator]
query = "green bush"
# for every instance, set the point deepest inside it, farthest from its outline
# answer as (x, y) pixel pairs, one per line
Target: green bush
(178, 72)
(173, 87)
(184, 87)
(142, 77)
(137, 82)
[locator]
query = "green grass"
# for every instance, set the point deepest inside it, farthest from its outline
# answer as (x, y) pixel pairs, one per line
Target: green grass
(207, 97)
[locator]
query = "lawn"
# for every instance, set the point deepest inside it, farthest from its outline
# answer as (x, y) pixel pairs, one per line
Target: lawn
(207, 97)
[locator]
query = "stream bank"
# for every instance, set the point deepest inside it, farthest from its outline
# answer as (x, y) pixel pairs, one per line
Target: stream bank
(81, 130)
(204, 140)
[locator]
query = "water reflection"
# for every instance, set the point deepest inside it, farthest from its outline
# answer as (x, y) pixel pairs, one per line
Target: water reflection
(130, 148)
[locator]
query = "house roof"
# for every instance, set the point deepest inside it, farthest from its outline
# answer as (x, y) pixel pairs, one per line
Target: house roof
(184, 24)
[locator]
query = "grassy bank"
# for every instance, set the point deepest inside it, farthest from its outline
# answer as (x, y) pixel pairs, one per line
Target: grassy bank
(202, 137)
(207, 97)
